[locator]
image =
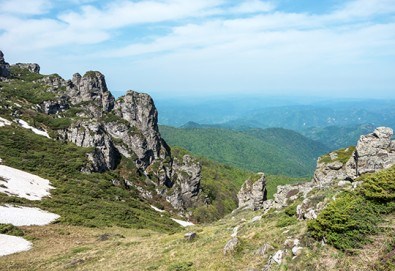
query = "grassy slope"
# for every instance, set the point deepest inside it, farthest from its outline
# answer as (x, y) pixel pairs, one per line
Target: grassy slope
(274, 151)
(57, 247)
(81, 199)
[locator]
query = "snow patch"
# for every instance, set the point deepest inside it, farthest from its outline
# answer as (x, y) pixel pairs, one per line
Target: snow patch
(13, 244)
(25, 125)
(25, 216)
(22, 184)
(4, 122)
(157, 209)
(183, 223)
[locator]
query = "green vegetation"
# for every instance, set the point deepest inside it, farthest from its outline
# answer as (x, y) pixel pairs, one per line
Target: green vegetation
(26, 87)
(220, 184)
(342, 155)
(80, 199)
(273, 151)
(10, 230)
(346, 221)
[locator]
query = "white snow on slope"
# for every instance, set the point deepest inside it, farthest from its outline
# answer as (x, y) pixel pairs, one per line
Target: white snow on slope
(23, 184)
(183, 223)
(157, 209)
(4, 122)
(25, 216)
(25, 125)
(13, 244)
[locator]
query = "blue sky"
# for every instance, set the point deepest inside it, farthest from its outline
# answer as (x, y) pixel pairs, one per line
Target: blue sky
(211, 47)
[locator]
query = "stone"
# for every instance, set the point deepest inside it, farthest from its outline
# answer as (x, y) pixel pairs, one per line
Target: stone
(4, 66)
(263, 250)
(373, 152)
(31, 67)
(231, 246)
(277, 257)
(190, 236)
(186, 177)
(252, 195)
(256, 218)
(235, 231)
(296, 251)
(91, 88)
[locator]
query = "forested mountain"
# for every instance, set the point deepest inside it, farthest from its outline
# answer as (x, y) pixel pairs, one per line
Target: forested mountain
(275, 151)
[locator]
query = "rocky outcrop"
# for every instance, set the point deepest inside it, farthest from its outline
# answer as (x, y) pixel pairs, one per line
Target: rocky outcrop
(92, 89)
(31, 67)
(253, 194)
(4, 66)
(373, 152)
(139, 111)
(93, 134)
(187, 177)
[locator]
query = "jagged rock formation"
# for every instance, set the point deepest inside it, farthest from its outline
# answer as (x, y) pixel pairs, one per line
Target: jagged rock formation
(4, 66)
(373, 152)
(187, 176)
(252, 195)
(126, 127)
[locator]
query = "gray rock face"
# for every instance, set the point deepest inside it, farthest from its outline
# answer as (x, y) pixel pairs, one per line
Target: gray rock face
(53, 107)
(253, 194)
(4, 66)
(91, 88)
(127, 127)
(187, 177)
(373, 152)
(231, 246)
(93, 134)
(31, 67)
(139, 111)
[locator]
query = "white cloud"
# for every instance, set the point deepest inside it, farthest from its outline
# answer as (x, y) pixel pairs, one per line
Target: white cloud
(123, 13)
(23, 7)
(252, 6)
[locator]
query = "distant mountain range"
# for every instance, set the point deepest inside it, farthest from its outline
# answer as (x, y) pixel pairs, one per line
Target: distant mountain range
(275, 151)
(335, 123)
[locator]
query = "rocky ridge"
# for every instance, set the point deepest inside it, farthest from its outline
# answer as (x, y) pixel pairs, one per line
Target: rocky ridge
(115, 128)
(341, 168)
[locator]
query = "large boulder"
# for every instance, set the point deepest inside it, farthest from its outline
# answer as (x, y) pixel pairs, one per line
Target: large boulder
(373, 152)
(253, 194)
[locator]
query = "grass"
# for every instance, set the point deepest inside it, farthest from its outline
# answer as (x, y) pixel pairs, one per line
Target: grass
(80, 199)
(343, 155)
(346, 221)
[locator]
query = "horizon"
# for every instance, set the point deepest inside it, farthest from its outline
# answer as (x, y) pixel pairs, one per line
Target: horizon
(197, 49)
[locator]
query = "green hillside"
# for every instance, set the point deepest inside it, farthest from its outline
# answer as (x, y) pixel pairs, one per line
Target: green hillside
(274, 151)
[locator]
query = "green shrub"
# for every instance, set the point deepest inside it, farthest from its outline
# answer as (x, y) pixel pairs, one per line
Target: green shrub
(10, 230)
(285, 220)
(345, 222)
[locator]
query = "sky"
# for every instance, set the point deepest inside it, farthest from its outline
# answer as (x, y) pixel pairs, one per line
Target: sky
(195, 48)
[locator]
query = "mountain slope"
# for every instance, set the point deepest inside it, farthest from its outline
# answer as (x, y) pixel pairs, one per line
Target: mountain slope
(274, 151)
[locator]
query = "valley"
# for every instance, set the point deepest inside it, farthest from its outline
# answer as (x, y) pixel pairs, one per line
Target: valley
(125, 193)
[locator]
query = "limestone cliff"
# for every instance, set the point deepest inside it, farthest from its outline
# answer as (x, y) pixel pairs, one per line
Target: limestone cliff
(115, 129)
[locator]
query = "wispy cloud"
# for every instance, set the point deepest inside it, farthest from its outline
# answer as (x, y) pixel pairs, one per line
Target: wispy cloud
(231, 40)
(21, 7)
